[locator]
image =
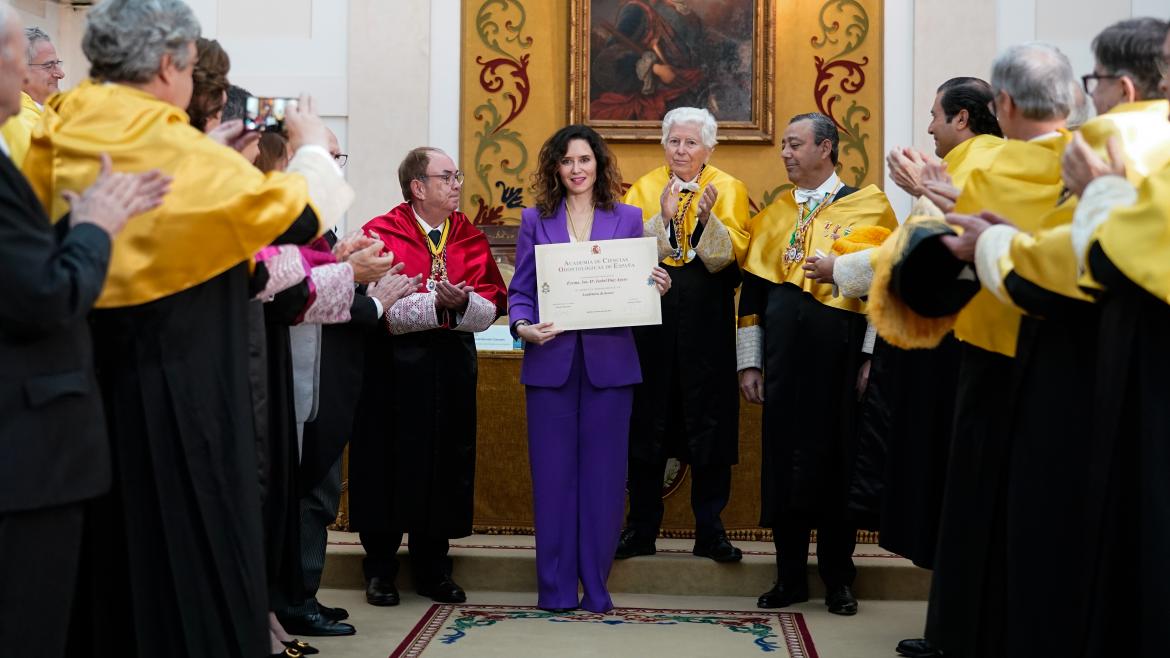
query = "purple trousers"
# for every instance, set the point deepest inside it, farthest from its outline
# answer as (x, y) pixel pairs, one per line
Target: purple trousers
(577, 441)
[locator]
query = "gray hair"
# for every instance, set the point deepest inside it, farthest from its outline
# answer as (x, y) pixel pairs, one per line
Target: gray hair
(125, 40)
(706, 121)
(1038, 78)
(34, 34)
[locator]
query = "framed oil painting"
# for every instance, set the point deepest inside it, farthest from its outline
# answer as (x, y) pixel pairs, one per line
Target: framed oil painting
(632, 61)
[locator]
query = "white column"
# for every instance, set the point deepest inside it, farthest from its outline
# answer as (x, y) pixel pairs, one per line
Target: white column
(1015, 22)
(898, 91)
(445, 76)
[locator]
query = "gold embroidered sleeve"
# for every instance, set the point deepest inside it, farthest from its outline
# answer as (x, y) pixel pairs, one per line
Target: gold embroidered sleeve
(714, 246)
(654, 228)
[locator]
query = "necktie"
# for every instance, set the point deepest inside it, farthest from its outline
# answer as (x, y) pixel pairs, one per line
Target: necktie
(435, 235)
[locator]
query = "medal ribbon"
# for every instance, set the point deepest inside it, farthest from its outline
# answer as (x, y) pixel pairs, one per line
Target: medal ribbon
(438, 252)
(678, 222)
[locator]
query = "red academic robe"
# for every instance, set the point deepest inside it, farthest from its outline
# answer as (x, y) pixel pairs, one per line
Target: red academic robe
(412, 454)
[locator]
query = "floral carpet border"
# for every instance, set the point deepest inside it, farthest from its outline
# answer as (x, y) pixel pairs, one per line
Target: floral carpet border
(791, 627)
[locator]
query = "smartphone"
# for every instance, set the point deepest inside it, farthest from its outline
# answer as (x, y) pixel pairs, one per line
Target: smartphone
(266, 114)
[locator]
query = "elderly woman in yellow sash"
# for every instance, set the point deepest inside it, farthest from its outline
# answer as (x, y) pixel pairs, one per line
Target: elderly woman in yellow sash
(687, 406)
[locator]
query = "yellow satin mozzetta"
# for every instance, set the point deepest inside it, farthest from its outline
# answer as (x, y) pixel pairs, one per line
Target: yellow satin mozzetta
(772, 228)
(1023, 184)
(970, 155)
(1137, 238)
(731, 206)
(1046, 258)
(220, 211)
(17, 130)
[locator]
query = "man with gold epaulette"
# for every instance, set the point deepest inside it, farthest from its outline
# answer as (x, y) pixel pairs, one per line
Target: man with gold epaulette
(801, 353)
(1058, 460)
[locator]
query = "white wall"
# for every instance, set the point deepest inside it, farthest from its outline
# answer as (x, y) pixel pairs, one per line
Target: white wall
(929, 41)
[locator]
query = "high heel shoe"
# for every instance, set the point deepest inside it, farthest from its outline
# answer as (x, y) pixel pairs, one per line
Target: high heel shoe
(287, 653)
(304, 648)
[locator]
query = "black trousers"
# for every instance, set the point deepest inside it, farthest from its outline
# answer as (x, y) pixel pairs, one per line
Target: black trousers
(710, 491)
(836, 540)
(428, 556)
(318, 511)
(39, 555)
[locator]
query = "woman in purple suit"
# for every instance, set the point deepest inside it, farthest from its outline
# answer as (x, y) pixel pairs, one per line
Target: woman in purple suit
(578, 384)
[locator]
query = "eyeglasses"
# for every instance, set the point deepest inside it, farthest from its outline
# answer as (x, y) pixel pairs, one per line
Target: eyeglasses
(48, 66)
(448, 177)
(1090, 80)
(340, 159)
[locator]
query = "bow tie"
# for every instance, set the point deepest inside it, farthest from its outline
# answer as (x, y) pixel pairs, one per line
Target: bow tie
(804, 196)
(687, 187)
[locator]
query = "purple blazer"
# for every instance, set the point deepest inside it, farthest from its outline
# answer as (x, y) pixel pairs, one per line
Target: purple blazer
(610, 356)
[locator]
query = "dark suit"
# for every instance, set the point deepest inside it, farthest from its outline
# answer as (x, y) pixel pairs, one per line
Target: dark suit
(324, 437)
(53, 449)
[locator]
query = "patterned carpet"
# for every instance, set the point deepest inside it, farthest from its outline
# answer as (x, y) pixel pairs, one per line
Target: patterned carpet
(485, 631)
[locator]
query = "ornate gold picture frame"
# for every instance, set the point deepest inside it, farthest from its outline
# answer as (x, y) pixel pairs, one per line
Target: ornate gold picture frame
(631, 61)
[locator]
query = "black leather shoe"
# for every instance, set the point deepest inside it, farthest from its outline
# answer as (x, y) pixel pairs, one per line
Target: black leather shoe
(559, 611)
(304, 648)
(314, 625)
(841, 601)
(719, 550)
(444, 591)
(917, 648)
(632, 544)
(336, 614)
(381, 591)
(781, 597)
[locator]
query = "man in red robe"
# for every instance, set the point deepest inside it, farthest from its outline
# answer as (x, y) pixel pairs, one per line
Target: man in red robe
(412, 459)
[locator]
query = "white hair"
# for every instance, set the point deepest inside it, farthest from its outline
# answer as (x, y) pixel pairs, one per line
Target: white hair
(705, 120)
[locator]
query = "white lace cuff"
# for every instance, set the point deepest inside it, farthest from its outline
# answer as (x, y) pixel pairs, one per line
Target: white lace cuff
(415, 312)
(330, 194)
(1100, 198)
(654, 228)
(749, 347)
(480, 314)
(714, 246)
(285, 266)
(334, 295)
(853, 273)
(993, 245)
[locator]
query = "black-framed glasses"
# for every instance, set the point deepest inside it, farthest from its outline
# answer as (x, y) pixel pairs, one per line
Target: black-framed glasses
(1090, 80)
(447, 177)
(341, 159)
(48, 66)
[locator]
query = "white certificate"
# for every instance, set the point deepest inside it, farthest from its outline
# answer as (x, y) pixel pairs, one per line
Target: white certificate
(594, 285)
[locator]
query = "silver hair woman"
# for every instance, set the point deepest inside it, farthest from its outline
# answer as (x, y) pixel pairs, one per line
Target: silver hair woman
(687, 405)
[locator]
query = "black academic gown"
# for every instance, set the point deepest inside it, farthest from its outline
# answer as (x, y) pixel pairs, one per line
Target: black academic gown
(1129, 489)
(906, 420)
(177, 548)
(1045, 499)
(687, 405)
(412, 456)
